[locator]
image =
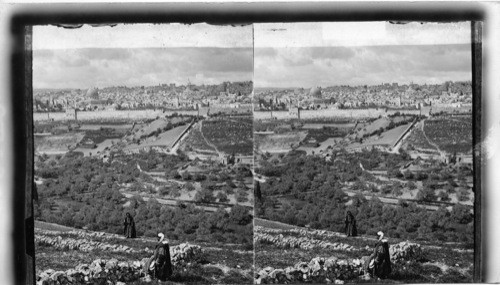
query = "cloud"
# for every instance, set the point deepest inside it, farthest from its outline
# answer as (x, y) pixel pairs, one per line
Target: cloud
(105, 53)
(331, 53)
(226, 60)
(44, 53)
(82, 68)
(328, 66)
(265, 52)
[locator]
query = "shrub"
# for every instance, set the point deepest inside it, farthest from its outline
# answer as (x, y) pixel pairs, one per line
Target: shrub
(396, 191)
(411, 185)
(164, 191)
(198, 177)
(209, 185)
(426, 194)
(222, 197)
(408, 175)
(242, 196)
(228, 190)
(443, 196)
(451, 182)
(175, 192)
(386, 189)
(449, 189)
(185, 175)
(463, 195)
(189, 186)
(204, 195)
(150, 190)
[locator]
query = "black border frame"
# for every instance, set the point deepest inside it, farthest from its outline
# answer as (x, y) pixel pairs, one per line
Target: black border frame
(73, 15)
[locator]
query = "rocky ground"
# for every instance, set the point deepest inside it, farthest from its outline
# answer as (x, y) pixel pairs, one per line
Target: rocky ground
(70, 256)
(299, 255)
(282, 255)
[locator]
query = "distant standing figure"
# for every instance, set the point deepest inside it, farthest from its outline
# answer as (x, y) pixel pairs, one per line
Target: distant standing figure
(350, 225)
(129, 230)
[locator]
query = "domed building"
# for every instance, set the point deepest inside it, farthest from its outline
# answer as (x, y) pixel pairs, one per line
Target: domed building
(92, 93)
(93, 103)
(315, 92)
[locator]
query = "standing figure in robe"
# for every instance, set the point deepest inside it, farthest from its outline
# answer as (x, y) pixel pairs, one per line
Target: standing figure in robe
(129, 230)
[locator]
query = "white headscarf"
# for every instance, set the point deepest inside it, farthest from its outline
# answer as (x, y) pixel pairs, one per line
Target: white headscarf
(381, 236)
(161, 236)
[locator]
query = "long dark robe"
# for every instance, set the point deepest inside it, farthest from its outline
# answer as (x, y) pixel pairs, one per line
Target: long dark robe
(350, 225)
(163, 264)
(382, 260)
(129, 230)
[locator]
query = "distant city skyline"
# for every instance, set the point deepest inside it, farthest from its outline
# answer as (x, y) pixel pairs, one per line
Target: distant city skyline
(357, 85)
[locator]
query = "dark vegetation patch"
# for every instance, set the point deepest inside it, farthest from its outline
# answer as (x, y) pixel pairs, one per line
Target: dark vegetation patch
(451, 134)
(321, 135)
(98, 136)
(307, 190)
(233, 135)
(86, 190)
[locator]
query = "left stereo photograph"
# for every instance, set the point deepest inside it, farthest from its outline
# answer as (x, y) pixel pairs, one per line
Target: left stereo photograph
(143, 153)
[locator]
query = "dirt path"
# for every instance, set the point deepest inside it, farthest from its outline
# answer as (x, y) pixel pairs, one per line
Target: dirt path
(385, 200)
(173, 202)
(52, 227)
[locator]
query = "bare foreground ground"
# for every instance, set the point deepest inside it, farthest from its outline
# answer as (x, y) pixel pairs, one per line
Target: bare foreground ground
(218, 264)
(441, 262)
(233, 264)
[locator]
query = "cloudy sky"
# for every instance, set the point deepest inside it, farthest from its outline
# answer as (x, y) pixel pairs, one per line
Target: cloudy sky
(327, 54)
(134, 55)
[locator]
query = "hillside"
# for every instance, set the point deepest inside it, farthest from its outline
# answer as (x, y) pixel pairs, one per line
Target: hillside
(385, 191)
(318, 254)
(67, 250)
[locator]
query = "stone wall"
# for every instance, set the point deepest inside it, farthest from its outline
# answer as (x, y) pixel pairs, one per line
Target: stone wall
(318, 270)
(299, 242)
(333, 113)
(112, 271)
(332, 269)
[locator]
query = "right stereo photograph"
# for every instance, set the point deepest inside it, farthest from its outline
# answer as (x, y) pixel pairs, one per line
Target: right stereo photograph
(363, 162)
